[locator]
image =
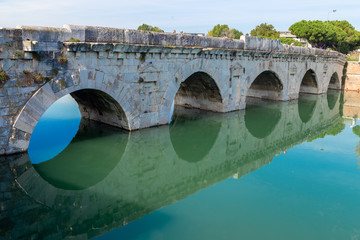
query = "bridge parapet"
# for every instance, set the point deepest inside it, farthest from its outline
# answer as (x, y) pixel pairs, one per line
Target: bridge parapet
(41, 37)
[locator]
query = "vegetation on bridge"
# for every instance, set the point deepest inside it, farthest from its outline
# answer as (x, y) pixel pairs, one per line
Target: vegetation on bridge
(3, 78)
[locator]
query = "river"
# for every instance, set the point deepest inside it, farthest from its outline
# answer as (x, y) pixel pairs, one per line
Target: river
(277, 170)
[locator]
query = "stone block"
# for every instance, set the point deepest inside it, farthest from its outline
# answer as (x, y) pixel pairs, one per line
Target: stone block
(99, 76)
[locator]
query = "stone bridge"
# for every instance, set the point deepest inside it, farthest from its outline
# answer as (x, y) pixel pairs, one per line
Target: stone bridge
(147, 170)
(131, 79)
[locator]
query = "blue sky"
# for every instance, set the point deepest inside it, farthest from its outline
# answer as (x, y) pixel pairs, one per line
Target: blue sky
(186, 15)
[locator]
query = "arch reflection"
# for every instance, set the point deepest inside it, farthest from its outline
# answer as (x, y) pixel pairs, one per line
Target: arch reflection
(261, 120)
(192, 134)
(332, 97)
(88, 159)
(306, 106)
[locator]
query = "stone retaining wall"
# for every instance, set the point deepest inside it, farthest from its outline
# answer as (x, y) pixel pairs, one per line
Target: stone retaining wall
(352, 82)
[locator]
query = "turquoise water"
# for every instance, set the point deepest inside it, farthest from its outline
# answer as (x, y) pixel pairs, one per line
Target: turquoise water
(312, 192)
(275, 171)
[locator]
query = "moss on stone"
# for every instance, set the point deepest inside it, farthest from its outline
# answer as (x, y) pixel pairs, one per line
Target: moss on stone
(74, 40)
(18, 53)
(3, 78)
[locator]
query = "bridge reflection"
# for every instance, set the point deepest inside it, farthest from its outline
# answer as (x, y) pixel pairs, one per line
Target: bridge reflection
(193, 133)
(306, 106)
(75, 168)
(261, 120)
(143, 171)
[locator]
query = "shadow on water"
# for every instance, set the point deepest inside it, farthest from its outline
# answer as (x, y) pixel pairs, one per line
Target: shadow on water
(106, 179)
(89, 158)
(193, 133)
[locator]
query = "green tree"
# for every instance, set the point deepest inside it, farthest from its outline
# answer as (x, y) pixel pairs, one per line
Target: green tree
(265, 30)
(224, 30)
(146, 27)
(339, 35)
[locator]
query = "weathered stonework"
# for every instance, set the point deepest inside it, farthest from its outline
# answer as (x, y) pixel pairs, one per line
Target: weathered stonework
(352, 82)
(130, 79)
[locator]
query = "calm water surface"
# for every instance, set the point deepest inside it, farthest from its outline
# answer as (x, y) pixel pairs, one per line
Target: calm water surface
(275, 171)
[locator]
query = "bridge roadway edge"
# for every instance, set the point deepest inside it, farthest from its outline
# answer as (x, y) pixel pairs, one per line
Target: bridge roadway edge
(142, 71)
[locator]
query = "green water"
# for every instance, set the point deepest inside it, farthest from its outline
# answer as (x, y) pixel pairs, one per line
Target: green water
(275, 171)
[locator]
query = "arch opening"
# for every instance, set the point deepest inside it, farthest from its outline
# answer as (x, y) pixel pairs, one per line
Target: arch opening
(334, 83)
(101, 107)
(199, 91)
(267, 85)
(309, 83)
(60, 123)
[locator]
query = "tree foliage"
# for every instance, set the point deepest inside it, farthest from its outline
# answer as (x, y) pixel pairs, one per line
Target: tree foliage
(224, 30)
(335, 130)
(265, 30)
(356, 130)
(146, 27)
(339, 35)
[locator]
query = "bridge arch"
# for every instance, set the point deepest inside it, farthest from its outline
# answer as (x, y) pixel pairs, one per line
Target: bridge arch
(334, 82)
(309, 83)
(95, 103)
(267, 85)
(199, 90)
(196, 85)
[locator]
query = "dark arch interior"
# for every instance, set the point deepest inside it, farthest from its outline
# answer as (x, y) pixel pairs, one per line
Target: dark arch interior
(266, 86)
(261, 120)
(334, 82)
(199, 91)
(309, 83)
(332, 97)
(193, 133)
(99, 106)
(89, 158)
(306, 107)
